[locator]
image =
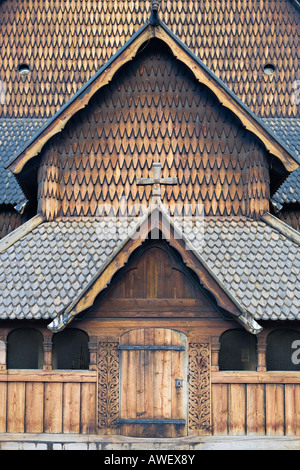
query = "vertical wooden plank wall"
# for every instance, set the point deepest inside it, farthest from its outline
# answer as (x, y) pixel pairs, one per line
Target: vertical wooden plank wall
(255, 408)
(239, 406)
(48, 406)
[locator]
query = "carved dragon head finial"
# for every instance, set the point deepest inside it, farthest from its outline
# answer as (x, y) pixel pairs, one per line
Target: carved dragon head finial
(155, 4)
(154, 19)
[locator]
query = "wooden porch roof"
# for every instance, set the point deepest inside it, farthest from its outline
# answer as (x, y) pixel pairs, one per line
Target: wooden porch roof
(54, 270)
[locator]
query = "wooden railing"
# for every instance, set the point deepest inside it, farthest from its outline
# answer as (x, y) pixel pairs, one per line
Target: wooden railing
(263, 403)
(49, 402)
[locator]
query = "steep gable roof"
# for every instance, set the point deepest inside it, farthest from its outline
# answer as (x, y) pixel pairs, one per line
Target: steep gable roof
(126, 53)
(65, 43)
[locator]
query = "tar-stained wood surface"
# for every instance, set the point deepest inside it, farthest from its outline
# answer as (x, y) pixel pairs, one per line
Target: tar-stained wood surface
(154, 108)
(148, 383)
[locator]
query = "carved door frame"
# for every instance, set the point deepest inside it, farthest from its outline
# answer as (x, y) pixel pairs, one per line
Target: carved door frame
(199, 394)
(199, 388)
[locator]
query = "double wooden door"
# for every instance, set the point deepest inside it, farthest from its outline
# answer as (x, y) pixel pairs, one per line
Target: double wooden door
(153, 383)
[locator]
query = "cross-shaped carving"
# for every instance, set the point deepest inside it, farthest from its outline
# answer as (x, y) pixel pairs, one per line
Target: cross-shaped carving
(156, 181)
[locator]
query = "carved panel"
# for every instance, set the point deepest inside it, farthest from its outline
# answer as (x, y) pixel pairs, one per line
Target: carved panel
(108, 385)
(199, 389)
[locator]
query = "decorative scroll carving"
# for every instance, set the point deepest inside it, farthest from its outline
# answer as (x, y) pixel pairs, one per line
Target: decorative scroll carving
(108, 385)
(199, 388)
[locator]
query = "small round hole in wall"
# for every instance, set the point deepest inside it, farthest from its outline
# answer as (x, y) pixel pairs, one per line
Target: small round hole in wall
(23, 69)
(269, 69)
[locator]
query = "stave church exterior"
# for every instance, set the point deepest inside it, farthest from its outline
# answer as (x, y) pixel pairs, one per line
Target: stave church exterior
(150, 250)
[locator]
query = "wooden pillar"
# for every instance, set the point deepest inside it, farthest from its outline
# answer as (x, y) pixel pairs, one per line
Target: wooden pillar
(47, 344)
(92, 345)
(215, 348)
(261, 353)
(3, 344)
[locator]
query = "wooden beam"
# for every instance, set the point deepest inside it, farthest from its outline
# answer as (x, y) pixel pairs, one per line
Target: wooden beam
(247, 377)
(48, 376)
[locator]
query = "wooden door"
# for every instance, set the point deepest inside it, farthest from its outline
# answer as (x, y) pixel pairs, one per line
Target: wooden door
(154, 390)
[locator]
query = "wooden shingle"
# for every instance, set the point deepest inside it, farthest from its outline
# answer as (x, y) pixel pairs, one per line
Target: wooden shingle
(65, 43)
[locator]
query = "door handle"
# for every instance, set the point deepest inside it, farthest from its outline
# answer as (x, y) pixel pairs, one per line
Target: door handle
(178, 383)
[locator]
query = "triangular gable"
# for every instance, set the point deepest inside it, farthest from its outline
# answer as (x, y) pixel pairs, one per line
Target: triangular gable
(156, 218)
(154, 282)
(126, 53)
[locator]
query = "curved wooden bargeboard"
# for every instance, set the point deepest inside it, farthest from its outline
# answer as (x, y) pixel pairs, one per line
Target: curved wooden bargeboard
(154, 389)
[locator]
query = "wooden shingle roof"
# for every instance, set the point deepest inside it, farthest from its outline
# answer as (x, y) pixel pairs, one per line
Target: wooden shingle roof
(74, 49)
(50, 266)
(66, 43)
(132, 128)
(13, 134)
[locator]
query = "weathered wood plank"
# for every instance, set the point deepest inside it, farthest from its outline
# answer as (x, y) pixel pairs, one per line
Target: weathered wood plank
(220, 409)
(129, 383)
(149, 379)
(292, 409)
(274, 409)
(255, 409)
(53, 407)
(3, 406)
(123, 378)
(255, 377)
(88, 408)
(20, 232)
(167, 361)
(71, 408)
(158, 376)
(237, 403)
(48, 376)
(179, 395)
(165, 305)
(140, 380)
(16, 407)
(34, 413)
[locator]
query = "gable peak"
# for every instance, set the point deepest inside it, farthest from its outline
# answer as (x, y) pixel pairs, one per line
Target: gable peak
(154, 18)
